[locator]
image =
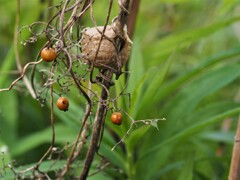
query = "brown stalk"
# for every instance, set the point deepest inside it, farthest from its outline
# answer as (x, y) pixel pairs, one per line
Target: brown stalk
(132, 19)
(102, 109)
(97, 128)
(234, 173)
(131, 25)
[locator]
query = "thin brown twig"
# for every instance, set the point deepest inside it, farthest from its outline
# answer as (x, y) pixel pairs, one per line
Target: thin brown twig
(22, 75)
(100, 41)
(17, 56)
(100, 169)
(71, 21)
(36, 166)
(87, 114)
(134, 122)
(50, 3)
(61, 22)
(85, 126)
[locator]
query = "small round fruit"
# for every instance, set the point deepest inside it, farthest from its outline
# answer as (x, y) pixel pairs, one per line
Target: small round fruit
(116, 118)
(63, 103)
(48, 54)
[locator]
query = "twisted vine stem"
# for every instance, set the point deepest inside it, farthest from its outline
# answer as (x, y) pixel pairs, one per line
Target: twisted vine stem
(102, 109)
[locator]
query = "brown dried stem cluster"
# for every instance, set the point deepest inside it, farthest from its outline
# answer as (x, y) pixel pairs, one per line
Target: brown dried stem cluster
(106, 48)
(59, 33)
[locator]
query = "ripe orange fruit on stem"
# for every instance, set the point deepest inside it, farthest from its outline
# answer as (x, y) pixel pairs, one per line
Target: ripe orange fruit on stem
(63, 103)
(48, 54)
(116, 118)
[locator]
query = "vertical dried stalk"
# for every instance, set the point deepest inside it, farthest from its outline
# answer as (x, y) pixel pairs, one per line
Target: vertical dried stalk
(98, 127)
(132, 19)
(131, 25)
(235, 162)
(103, 106)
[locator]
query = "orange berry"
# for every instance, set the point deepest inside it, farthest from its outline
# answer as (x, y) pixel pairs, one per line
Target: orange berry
(63, 103)
(48, 54)
(116, 118)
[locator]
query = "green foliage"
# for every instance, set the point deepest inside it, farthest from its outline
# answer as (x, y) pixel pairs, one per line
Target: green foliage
(184, 67)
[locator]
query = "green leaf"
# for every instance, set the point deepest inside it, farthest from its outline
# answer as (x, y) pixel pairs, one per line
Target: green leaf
(5, 156)
(136, 66)
(187, 170)
(226, 6)
(182, 40)
(137, 97)
(155, 82)
(8, 116)
(169, 88)
(206, 85)
(225, 137)
(63, 134)
(6, 66)
(115, 157)
(100, 175)
(46, 166)
(176, 1)
(135, 137)
(210, 109)
(27, 15)
(154, 124)
(167, 168)
(189, 131)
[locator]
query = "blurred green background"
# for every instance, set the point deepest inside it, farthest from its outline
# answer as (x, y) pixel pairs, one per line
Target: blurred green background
(184, 67)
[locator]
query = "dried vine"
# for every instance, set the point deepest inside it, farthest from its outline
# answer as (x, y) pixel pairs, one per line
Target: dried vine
(80, 53)
(102, 106)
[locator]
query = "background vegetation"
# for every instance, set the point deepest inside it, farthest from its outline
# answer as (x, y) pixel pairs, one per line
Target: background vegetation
(184, 67)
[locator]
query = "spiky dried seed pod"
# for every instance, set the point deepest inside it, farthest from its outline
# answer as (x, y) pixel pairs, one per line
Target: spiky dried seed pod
(109, 55)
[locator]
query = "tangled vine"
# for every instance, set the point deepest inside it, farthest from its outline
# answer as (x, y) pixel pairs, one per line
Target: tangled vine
(84, 57)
